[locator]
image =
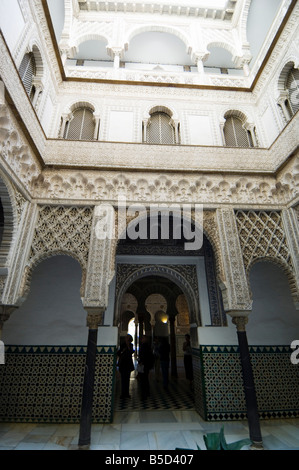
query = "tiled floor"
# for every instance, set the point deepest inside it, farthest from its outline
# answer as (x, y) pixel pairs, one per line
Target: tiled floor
(144, 430)
(160, 424)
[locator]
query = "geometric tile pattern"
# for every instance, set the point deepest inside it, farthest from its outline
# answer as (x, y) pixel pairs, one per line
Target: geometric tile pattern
(45, 383)
(178, 397)
(104, 387)
(276, 382)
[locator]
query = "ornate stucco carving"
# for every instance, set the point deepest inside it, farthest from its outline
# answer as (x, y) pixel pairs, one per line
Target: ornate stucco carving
(100, 268)
(272, 236)
(236, 295)
(180, 187)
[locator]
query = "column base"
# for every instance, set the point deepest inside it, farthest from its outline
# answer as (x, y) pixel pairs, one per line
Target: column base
(84, 446)
(257, 446)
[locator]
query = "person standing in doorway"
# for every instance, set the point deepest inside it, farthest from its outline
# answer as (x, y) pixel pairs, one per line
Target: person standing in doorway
(125, 365)
(164, 351)
(146, 360)
(157, 358)
(188, 359)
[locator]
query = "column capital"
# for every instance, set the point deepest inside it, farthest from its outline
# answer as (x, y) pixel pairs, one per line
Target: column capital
(5, 312)
(95, 317)
(240, 323)
(201, 56)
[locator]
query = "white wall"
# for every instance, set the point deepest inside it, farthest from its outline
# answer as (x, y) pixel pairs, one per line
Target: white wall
(47, 113)
(269, 126)
(200, 130)
(274, 319)
(10, 9)
(53, 313)
(121, 126)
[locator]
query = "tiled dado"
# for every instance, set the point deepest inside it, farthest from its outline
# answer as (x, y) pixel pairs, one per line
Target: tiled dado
(45, 383)
(219, 393)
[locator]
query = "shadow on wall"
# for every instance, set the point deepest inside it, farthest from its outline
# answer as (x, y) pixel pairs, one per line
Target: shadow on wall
(53, 313)
(274, 319)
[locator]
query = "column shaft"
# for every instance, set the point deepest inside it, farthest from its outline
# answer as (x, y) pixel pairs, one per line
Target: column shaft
(249, 389)
(88, 386)
(173, 364)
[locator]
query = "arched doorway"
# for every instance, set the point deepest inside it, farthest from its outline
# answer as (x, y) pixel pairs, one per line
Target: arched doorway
(161, 314)
(167, 281)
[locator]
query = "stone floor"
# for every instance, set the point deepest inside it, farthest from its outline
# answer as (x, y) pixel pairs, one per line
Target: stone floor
(144, 430)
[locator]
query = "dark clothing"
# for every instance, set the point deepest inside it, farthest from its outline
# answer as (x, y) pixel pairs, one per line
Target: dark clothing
(164, 350)
(188, 360)
(145, 358)
(125, 367)
(188, 367)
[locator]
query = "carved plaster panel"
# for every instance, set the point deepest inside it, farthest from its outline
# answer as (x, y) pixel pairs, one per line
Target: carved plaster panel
(62, 230)
(209, 189)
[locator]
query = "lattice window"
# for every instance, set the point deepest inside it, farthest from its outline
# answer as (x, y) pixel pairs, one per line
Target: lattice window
(27, 71)
(262, 235)
(292, 85)
(81, 126)
(235, 135)
(160, 129)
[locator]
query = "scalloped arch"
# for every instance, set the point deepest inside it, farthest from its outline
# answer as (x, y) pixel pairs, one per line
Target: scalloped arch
(158, 28)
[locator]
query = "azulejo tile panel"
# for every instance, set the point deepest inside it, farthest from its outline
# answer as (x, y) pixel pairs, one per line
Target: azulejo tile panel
(45, 383)
(219, 383)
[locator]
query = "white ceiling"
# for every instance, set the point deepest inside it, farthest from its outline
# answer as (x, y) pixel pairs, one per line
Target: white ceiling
(157, 47)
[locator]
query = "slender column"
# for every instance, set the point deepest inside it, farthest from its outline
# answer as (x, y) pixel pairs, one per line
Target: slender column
(94, 319)
(65, 118)
(64, 55)
(152, 329)
(140, 323)
(251, 128)
(117, 51)
(96, 127)
(281, 101)
(222, 132)
(248, 381)
(246, 69)
(145, 122)
(38, 90)
(173, 365)
(200, 67)
(136, 336)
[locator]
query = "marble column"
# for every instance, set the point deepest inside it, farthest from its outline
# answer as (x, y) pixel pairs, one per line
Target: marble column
(94, 320)
(248, 381)
(173, 364)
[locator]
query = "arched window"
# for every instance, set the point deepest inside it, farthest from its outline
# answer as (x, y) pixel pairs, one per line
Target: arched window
(292, 87)
(27, 71)
(236, 134)
(81, 126)
(160, 129)
(288, 87)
